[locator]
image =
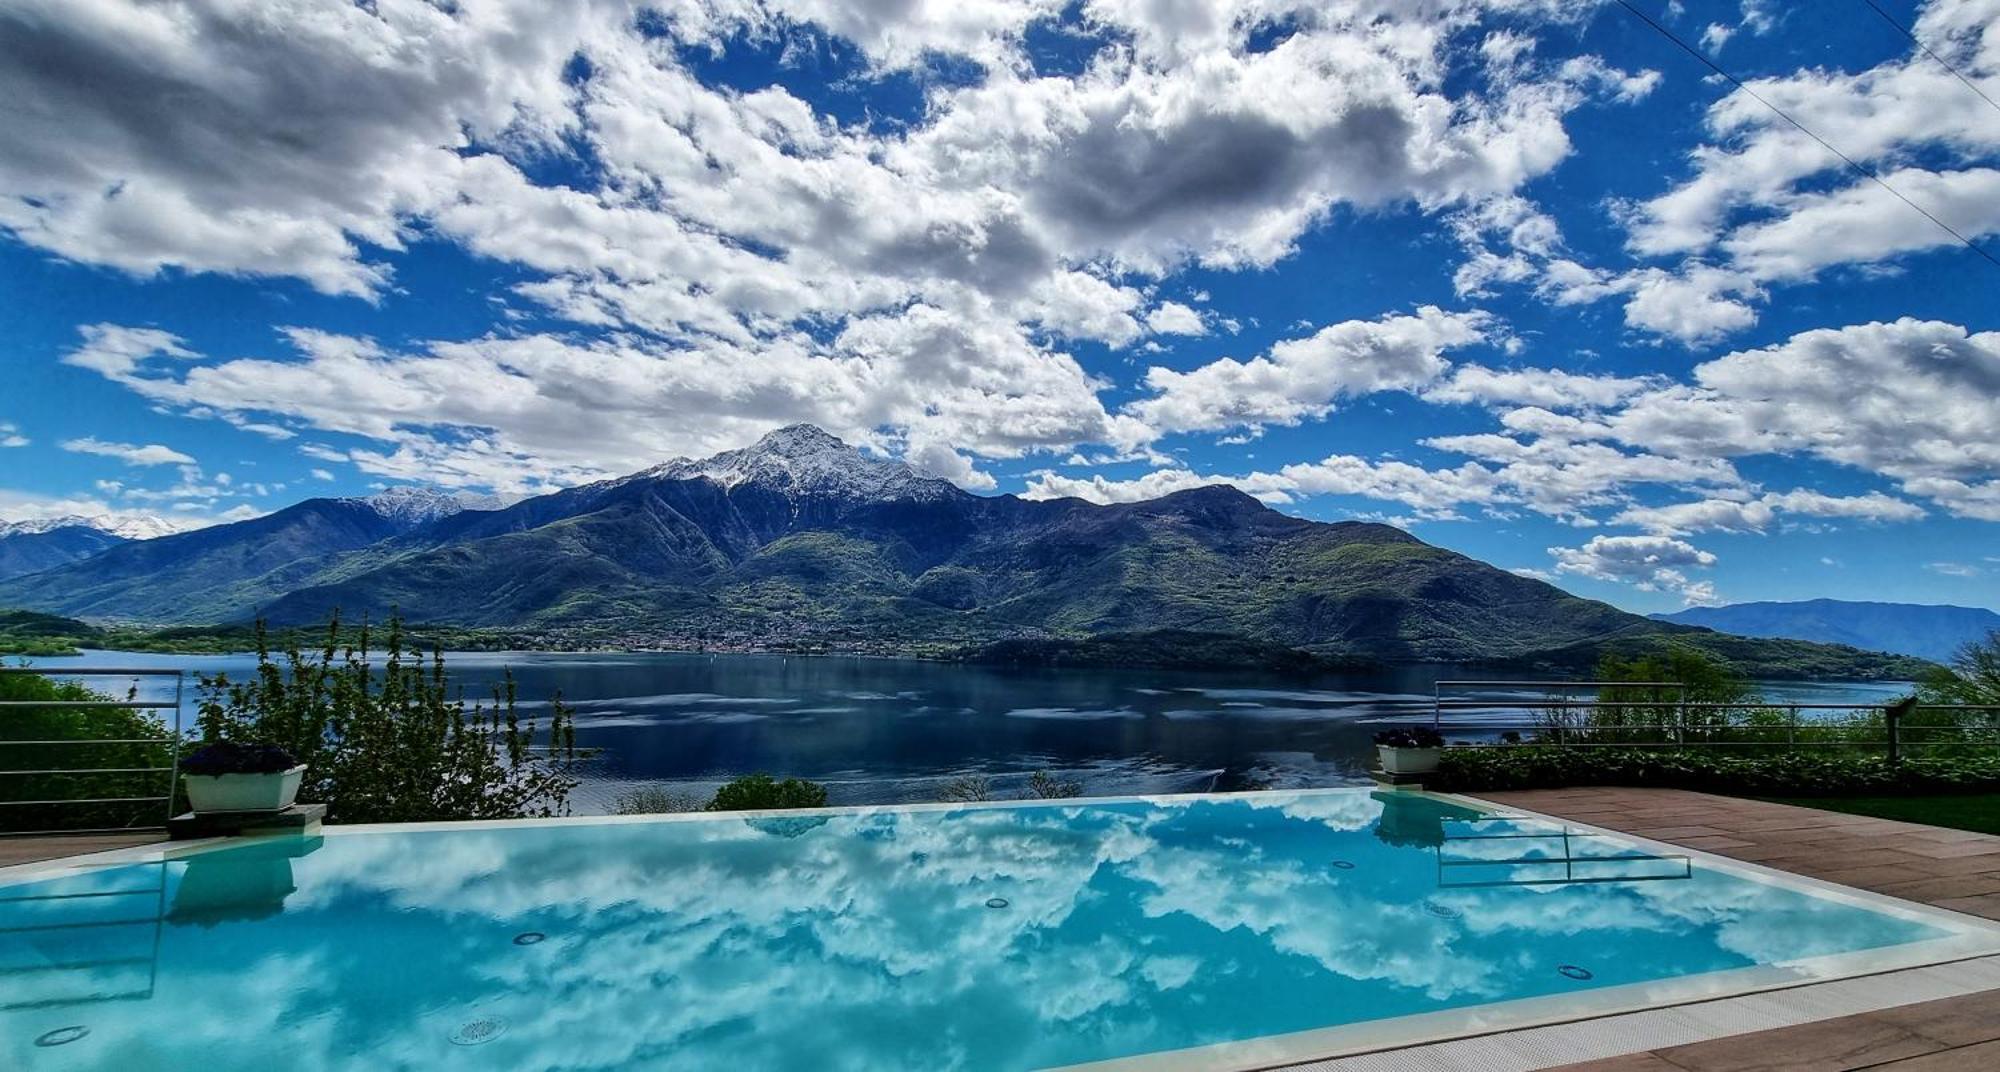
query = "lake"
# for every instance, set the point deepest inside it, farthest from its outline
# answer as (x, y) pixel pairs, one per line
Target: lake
(893, 730)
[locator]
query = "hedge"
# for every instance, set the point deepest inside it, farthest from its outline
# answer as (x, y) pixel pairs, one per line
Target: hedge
(1788, 774)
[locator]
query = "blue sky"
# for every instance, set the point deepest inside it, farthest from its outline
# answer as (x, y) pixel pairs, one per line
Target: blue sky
(1520, 275)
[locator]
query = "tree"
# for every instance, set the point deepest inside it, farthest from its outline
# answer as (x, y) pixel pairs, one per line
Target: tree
(394, 742)
(1662, 685)
(141, 765)
(1972, 678)
(760, 792)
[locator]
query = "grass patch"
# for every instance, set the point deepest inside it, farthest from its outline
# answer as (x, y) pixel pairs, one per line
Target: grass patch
(1959, 811)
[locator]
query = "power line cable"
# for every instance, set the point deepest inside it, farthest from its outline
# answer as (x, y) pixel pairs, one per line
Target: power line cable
(1946, 64)
(1807, 131)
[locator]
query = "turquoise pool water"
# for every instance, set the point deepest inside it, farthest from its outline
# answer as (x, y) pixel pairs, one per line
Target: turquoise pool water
(980, 938)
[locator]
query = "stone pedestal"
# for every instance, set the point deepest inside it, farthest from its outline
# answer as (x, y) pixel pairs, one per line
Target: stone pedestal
(1399, 781)
(297, 819)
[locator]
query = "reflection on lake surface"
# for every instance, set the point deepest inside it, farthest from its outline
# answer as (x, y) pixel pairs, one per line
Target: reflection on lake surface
(891, 730)
(978, 938)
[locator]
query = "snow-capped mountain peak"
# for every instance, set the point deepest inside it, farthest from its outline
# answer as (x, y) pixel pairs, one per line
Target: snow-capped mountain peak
(128, 526)
(803, 459)
(410, 506)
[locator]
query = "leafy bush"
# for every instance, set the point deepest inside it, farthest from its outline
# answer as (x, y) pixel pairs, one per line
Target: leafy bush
(1410, 737)
(1786, 774)
(1045, 786)
(652, 800)
(78, 724)
(966, 789)
(227, 757)
(760, 792)
(393, 742)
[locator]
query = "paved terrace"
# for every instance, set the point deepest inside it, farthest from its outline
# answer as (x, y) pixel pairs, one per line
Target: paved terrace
(1952, 869)
(32, 850)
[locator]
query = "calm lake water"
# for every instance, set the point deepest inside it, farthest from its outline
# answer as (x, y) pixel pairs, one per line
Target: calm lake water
(893, 730)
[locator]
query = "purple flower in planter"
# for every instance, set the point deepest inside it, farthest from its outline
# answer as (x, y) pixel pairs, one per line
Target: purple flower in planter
(228, 757)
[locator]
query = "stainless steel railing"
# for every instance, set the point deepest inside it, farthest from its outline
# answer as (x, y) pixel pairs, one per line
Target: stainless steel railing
(170, 742)
(1558, 715)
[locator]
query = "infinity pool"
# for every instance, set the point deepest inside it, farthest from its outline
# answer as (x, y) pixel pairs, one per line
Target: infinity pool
(1207, 932)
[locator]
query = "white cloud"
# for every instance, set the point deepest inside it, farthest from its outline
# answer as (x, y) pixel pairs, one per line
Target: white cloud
(1650, 563)
(321, 474)
(1098, 489)
(10, 435)
(1910, 400)
(1173, 318)
(1303, 378)
(736, 233)
(130, 454)
(1757, 515)
(1547, 388)
(184, 134)
(1954, 569)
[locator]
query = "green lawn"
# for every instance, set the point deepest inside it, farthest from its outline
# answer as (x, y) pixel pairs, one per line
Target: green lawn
(1967, 811)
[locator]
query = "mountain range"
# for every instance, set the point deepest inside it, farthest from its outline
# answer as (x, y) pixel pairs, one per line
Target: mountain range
(801, 540)
(1925, 631)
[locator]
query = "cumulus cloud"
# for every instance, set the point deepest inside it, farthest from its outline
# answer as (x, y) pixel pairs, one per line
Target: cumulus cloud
(729, 231)
(1764, 205)
(129, 453)
(1305, 377)
(1911, 400)
(1757, 515)
(1650, 563)
(1173, 318)
(10, 435)
(198, 135)
(1552, 389)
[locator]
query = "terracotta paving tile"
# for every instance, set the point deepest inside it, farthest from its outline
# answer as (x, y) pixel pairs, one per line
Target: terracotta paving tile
(1959, 865)
(1955, 849)
(1765, 853)
(1941, 888)
(1827, 1046)
(1654, 830)
(1986, 905)
(1952, 1021)
(1711, 843)
(1939, 833)
(1867, 878)
(1983, 1057)
(30, 850)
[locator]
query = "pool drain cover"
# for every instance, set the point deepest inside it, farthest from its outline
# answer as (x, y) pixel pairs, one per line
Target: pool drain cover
(1441, 910)
(529, 937)
(996, 902)
(61, 1036)
(1574, 972)
(474, 1032)
(1343, 865)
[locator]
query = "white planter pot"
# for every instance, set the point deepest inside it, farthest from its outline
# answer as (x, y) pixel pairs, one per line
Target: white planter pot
(1408, 760)
(243, 792)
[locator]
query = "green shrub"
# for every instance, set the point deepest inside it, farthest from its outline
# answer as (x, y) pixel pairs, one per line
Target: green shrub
(1045, 786)
(393, 742)
(1786, 774)
(77, 724)
(760, 792)
(653, 800)
(966, 789)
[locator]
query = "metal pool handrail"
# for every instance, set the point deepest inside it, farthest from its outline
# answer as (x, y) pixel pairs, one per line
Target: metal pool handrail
(172, 742)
